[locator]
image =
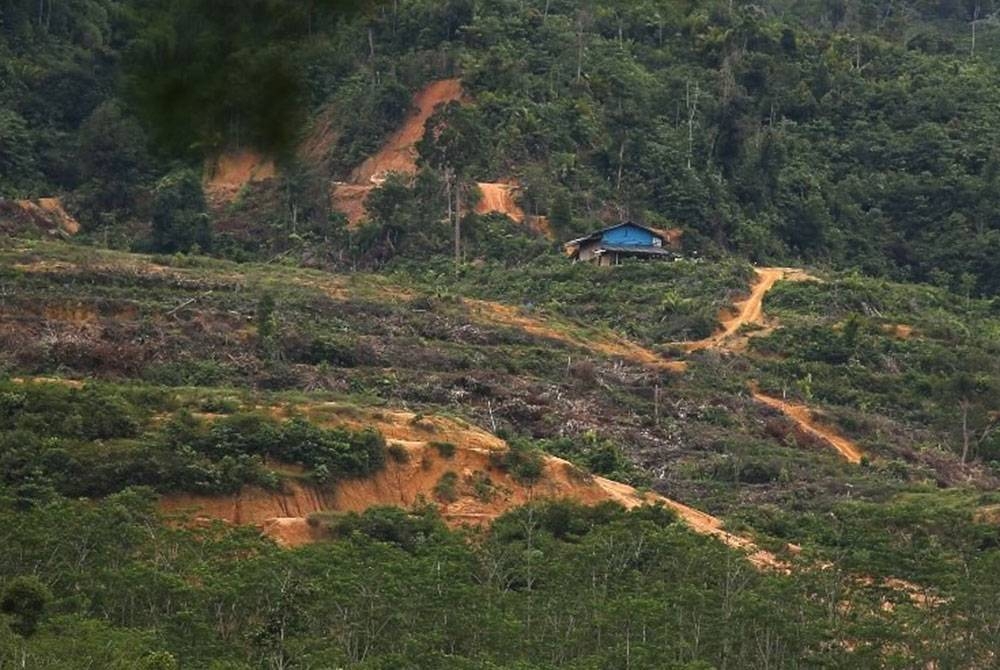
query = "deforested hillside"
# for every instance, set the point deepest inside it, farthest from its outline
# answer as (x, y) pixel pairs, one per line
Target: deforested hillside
(521, 334)
(826, 440)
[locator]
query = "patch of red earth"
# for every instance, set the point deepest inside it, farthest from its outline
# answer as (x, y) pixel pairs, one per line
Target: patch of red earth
(399, 153)
(499, 197)
(484, 490)
(349, 200)
(228, 172)
(45, 214)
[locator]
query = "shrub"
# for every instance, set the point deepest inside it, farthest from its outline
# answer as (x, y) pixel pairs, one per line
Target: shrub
(482, 486)
(522, 460)
(398, 453)
(389, 524)
(446, 489)
(444, 449)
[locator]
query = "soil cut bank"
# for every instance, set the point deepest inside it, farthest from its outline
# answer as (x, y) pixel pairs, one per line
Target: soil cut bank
(481, 487)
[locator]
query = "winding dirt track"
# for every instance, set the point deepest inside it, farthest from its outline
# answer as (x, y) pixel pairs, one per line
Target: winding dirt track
(751, 311)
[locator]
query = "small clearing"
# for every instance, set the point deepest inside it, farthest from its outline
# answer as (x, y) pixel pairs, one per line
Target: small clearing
(349, 200)
(46, 214)
(226, 174)
(499, 197)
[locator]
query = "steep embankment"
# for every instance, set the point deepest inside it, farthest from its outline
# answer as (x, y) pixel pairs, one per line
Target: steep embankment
(459, 468)
(45, 214)
(227, 173)
(399, 154)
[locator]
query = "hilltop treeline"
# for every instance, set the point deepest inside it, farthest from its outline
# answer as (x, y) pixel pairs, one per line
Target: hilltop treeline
(859, 134)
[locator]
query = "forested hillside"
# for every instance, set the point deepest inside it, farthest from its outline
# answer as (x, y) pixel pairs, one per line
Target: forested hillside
(259, 410)
(855, 134)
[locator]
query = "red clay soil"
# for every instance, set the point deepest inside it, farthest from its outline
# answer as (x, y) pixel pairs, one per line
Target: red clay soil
(399, 154)
(349, 199)
(320, 139)
(46, 214)
(806, 422)
(483, 489)
(672, 236)
(229, 172)
(499, 197)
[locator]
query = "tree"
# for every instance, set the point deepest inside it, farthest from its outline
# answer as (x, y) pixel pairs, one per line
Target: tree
(25, 599)
(180, 222)
(113, 164)
(17, 159)
(453, 144)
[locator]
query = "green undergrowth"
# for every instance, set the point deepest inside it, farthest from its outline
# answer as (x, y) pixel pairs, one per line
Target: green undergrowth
(98, 440)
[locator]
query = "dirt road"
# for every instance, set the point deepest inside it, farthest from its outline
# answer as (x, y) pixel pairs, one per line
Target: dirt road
(751, 311)
(803, 418)
(745, 312)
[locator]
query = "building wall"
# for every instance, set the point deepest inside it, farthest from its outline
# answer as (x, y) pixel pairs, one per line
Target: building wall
(587, 250)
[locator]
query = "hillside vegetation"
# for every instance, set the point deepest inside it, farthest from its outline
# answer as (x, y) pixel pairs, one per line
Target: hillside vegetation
(855, 134)
(257, 411)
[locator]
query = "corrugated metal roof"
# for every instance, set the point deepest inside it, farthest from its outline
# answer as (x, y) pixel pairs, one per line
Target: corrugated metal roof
(598, 233)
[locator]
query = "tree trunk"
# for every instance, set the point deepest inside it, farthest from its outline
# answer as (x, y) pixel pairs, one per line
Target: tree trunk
(975, 19)
(458, 225)
(964, 404)
(621, 164)
(692, 110)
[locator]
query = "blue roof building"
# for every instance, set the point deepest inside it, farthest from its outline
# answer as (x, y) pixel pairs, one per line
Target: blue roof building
(625, 240)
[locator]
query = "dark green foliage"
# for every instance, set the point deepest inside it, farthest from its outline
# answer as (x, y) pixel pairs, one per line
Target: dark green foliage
(50, 410)
(839, 132)
(596, 455)
(252, 93)
(392, 525)
(113, 167)
(523, 460)
(610, 570)
(180, 222)
(444, 449)
(16, 154)
(24, 599)
(93, 441)
(327, 453)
